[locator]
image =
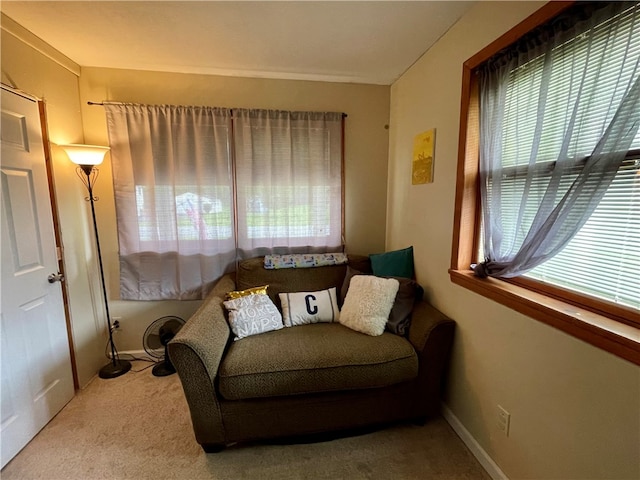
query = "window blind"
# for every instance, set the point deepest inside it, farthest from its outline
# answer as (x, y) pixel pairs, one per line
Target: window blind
(603, 259)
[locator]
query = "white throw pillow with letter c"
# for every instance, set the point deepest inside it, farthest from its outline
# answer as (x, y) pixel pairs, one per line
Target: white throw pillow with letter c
(300, 308)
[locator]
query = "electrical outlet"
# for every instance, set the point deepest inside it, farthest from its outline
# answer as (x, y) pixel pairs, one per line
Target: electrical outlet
(115, 324)
(504, 420)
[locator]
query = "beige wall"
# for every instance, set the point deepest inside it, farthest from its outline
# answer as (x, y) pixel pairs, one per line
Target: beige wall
(365, 156)
(575, 409)
(45, 73)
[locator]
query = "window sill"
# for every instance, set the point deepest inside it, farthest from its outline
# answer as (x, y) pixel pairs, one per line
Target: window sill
(612, 336)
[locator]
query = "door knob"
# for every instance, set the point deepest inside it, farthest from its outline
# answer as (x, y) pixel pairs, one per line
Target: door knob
(55, 277)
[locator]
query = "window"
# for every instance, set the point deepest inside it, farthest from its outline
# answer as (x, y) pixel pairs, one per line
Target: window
(289, 181)
(589, 289)
(198, 216)
(603, 259)
(197, 188)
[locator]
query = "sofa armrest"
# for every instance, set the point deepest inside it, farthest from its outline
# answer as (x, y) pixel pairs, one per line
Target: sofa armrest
(431, 334)
(196, 352)
(424, 320)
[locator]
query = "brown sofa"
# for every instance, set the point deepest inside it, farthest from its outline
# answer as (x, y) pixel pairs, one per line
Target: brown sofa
(306, 379)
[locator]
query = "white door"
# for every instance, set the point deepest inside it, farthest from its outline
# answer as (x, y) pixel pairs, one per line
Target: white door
(37, 379)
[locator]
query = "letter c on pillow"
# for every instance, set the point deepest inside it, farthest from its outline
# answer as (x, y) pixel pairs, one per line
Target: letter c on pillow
(311, 309)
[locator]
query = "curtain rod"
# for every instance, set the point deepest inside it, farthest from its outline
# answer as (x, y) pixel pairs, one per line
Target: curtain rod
(344, 115)
(105, 103)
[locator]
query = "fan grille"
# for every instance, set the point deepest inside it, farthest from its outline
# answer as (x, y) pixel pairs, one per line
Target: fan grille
(152, 338)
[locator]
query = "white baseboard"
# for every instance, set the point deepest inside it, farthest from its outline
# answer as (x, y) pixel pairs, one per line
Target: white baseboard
(472, 444)
(127, 354)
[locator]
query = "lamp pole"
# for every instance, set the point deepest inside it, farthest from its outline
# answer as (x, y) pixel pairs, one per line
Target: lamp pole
(117, 366)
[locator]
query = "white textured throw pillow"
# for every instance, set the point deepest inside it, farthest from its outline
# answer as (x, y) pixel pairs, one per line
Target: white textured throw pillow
(300, 308)
(253, 314)
(368, 303)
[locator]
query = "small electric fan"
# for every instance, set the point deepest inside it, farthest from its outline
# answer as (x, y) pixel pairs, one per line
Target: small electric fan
(155, 340)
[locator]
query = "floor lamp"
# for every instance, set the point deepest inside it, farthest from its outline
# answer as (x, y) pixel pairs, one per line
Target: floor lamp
(87, 157)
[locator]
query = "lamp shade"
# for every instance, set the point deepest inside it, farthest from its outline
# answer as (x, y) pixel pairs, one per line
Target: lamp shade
(85, 154)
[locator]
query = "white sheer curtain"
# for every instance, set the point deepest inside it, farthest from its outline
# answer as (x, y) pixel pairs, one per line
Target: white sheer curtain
(173, 185)
(195, 191)
(289, 181)
(559, 113)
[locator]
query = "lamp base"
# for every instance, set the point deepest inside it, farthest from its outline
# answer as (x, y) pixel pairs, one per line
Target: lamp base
(115, 369)
(163, 369)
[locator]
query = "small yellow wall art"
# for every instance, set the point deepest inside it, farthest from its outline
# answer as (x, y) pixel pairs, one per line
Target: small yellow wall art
(423, 150)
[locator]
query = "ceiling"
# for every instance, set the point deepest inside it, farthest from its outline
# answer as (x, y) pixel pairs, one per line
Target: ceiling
(361, 41)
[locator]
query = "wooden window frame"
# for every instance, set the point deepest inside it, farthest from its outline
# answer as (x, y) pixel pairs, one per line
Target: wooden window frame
(610, 327)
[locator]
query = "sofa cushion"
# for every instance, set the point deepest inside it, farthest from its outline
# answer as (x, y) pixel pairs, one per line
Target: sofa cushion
(300, 308)
(321, 357)
(368, 303)
(398, 263)
(408, 294)
(261, 290)
(252, 314)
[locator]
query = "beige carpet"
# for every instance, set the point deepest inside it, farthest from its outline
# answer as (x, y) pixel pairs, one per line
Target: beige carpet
(138, 427)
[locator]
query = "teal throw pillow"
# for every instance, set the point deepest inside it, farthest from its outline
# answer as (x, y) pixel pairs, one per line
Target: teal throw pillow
(398, 263)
